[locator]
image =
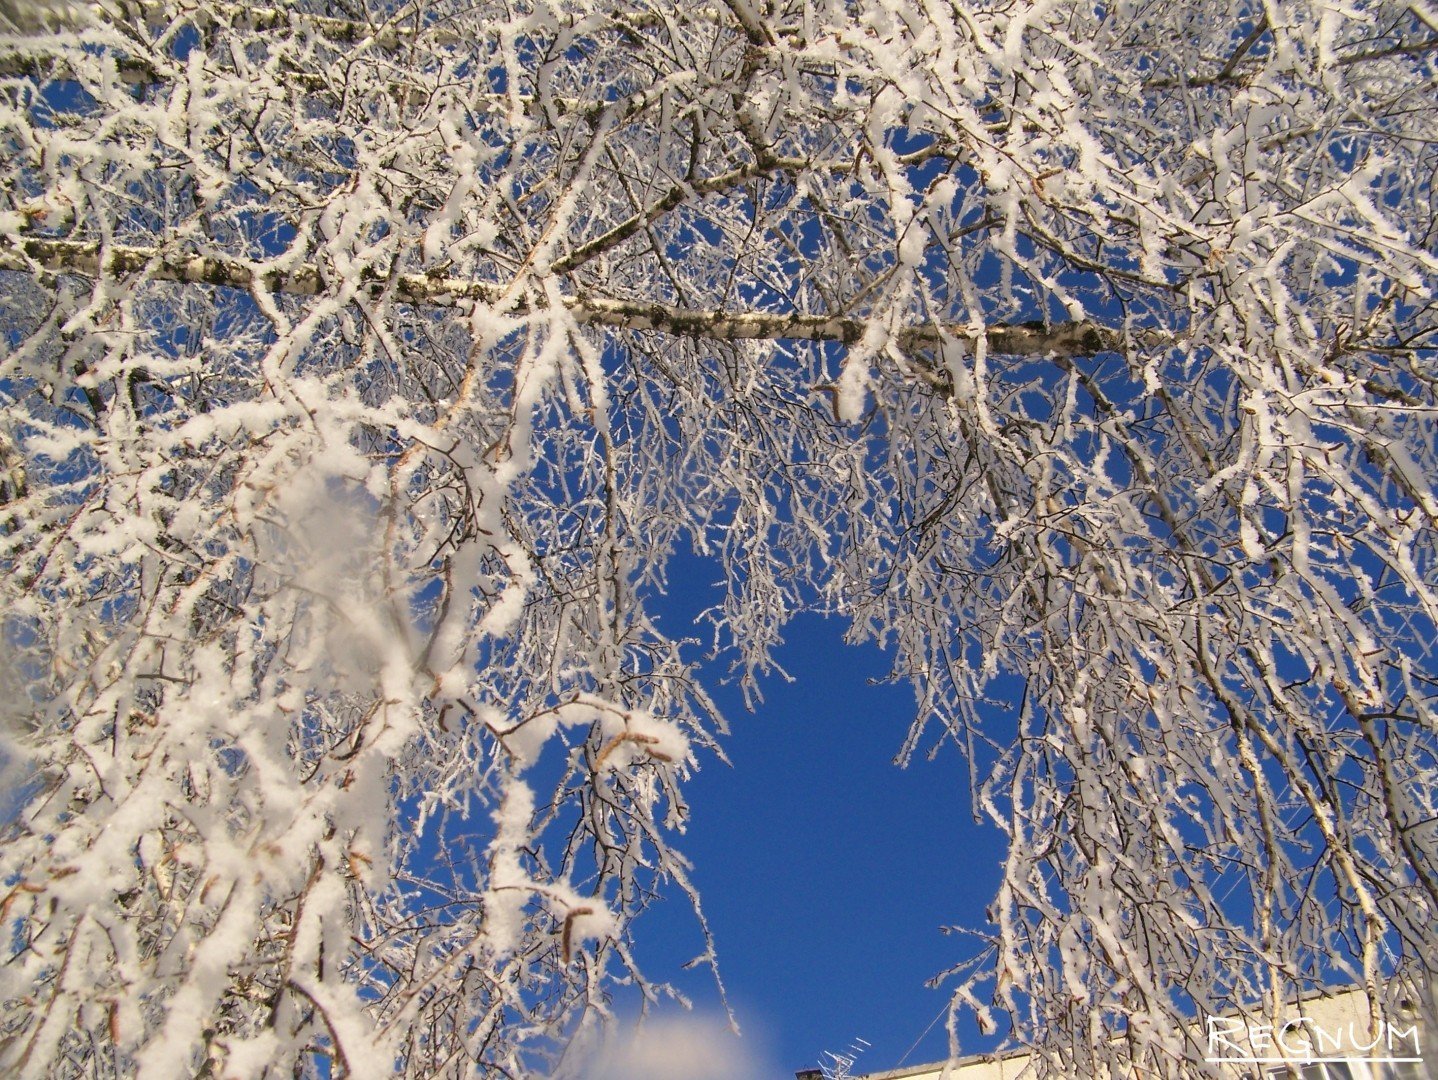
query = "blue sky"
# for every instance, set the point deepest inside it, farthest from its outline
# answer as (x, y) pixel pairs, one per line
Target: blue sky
(827, 871)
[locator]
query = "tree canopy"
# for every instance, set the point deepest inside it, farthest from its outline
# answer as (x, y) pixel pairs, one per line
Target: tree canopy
(366, 363)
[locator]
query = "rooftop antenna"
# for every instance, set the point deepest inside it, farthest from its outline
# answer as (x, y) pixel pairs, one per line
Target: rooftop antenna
(838, 1066)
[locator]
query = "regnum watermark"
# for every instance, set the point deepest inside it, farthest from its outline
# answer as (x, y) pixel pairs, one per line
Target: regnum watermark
(1304, 1040)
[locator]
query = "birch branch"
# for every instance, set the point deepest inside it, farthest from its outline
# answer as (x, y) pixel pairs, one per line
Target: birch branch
(89, 259)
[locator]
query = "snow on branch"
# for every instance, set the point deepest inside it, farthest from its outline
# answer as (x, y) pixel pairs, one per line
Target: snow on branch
(90, 259)
(304, 600)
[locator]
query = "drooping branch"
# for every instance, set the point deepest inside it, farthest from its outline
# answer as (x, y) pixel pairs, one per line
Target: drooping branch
(398, 30)
(89, 259)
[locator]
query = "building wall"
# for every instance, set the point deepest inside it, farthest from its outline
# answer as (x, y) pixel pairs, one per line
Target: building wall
(1335, 1026)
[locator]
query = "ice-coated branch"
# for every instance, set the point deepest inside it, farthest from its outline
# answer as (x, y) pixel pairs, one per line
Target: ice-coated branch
(315, 564)
(88, 259)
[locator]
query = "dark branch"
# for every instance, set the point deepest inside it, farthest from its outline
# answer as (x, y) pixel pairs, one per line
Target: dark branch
(88, 259)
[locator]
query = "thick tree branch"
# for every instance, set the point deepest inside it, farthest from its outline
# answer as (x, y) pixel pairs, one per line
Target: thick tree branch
(87, 259)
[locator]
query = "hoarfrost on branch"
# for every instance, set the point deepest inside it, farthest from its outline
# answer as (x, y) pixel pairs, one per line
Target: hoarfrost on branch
(367, 363)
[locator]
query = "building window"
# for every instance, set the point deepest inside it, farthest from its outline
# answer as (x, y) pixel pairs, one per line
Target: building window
(1319, 1070)
(1404, 1070)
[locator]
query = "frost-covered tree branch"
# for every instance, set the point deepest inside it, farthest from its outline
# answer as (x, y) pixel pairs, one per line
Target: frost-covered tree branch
(79, 257)
(366, 365)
